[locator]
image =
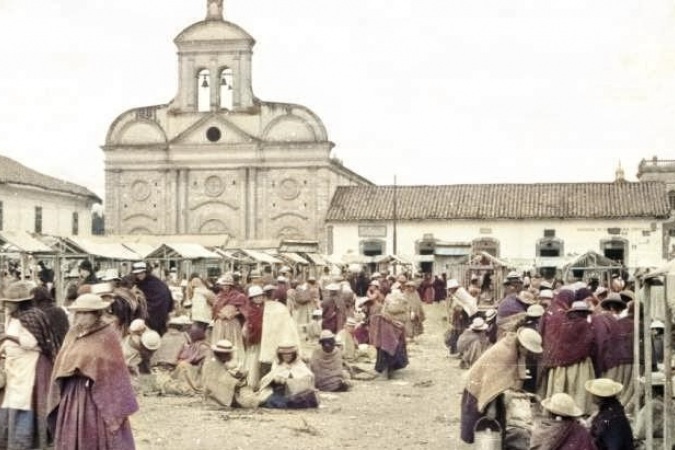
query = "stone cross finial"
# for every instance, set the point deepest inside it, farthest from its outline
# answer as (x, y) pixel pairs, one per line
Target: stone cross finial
(214, 9)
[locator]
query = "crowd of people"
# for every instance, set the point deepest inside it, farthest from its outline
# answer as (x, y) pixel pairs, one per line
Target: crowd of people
(566, 350)
(72, 372)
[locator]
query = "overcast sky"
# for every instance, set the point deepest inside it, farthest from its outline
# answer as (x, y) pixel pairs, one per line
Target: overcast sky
(434, 91)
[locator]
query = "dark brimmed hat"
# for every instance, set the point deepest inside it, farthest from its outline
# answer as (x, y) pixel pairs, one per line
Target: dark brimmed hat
(613, 299)
(222, 346)
(85, 264)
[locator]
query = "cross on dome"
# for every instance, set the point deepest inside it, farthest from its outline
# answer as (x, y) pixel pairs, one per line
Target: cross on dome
(214, 10)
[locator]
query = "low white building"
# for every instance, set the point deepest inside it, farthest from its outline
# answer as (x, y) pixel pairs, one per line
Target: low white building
(36, 203)
(438, 226)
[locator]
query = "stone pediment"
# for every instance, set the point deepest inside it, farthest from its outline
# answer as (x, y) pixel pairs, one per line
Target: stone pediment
(213, 129)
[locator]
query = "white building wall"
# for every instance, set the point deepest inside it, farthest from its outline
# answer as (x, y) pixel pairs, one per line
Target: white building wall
(517, 238)
(18, 210)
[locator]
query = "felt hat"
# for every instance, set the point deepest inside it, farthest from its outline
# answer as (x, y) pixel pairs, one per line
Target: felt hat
(351, 322)
(546, 294)
(562, 404)
(603, 387)
(326, 334)
(600, 290)
(89, 302)
(657, 324)
(137, 325)
(490, 314)
(452, 284)
(151, 339)
(513, 275)
(139, 267)
(18, 291)
(85, 264)
(311, 278)
(254, 291)
(317, 313)
(282, 279)
(530, 339)
(269, 287)
(225, 280)
(102, 289)
(527, 297)
(478, 324)
(627, 295)
(180, 320)
(375, 275)
(222, 346)
(373, 283)
(613, 299)
(580, 306)
(535, 311)
(287, 347)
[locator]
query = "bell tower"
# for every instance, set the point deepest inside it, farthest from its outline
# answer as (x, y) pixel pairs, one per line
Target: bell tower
(214, 65)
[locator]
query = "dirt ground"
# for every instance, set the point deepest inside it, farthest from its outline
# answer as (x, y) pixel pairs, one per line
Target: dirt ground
(417, 409)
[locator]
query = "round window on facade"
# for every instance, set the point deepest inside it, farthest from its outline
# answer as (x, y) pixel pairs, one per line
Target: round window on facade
(213, 134)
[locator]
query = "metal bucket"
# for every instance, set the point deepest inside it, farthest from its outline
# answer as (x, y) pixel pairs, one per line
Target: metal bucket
(487, 434)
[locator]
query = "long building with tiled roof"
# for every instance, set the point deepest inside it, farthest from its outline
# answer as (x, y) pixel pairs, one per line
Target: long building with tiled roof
(500, 201)
(33, 202)
(439, 228)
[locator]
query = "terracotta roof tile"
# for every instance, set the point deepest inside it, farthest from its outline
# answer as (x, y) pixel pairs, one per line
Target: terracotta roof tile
(501, 201)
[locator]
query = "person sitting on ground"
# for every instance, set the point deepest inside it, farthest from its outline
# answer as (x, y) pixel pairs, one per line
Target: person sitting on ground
(562, 429)
(223, 380)
(290, 383)
(314, 327)
(473, 342)
(326, 364)
(171, 344)
(138, 350)
(349, 344)
(610, 427)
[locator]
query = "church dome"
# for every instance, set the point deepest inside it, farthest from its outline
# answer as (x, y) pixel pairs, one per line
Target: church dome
(213, 31)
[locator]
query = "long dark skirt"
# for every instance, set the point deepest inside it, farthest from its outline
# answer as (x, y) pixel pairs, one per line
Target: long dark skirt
(80, 426)
(387, 362)
(471, 414)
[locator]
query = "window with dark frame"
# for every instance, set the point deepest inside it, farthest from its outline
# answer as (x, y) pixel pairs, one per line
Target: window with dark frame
(38, 219)
(76, 224)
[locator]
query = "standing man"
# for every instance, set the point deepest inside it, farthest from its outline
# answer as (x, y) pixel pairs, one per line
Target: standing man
(157, 296)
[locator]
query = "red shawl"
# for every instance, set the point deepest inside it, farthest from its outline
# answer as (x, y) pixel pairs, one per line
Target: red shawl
(572, 342)
(254, 323)
(232, 297)
(385, 333)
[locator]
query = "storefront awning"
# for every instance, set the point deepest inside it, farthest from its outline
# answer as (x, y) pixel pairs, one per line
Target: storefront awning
(183, 251)
(22, 242)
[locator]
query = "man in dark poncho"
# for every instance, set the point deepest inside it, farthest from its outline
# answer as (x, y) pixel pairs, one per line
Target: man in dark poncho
(610, 428)
(157, 296)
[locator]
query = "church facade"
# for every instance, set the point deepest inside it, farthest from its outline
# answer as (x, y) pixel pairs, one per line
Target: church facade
(216, 159)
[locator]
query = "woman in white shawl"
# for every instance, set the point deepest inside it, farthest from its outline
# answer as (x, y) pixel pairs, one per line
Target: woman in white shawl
(290, 383)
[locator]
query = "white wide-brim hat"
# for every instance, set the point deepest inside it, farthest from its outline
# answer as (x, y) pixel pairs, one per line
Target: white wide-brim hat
(603, 387)
(562, 404)
(89, 302)
(530, 339)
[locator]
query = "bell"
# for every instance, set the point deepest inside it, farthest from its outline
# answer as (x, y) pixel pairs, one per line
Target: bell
(205, 83)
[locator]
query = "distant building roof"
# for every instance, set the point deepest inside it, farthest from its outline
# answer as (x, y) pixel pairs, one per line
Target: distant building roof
(501, 201)
(11, 172)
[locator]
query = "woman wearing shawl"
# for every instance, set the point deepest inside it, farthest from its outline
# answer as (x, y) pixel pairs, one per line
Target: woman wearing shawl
(568, 348)
(290, 383)
(562, 429)
(483, 394)
(202, 299)
(326, 365)
(29, 346)
(228, 316)
(91, 395)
